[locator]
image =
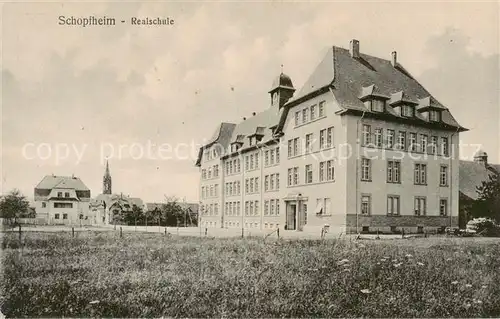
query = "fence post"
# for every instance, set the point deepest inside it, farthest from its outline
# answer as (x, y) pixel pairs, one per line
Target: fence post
(402, 233)
(73, 232)
(165, 231)
(278, 232)
(242, 232)
(121, 232)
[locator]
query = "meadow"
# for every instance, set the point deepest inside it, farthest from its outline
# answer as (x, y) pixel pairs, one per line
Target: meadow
(99, 274)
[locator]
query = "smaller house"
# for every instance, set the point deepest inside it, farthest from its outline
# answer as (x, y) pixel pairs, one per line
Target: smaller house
(105, 207)
(61, 199)
(472, 174)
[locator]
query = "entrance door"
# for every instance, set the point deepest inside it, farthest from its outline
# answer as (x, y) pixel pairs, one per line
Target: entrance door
(291, 214)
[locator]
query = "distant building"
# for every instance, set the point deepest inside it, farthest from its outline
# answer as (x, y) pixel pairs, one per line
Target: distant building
(107, 206)
(472, 174)
(290, 166)
(61, 199)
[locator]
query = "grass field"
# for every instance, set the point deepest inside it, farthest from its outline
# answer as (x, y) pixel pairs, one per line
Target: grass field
(149, 275)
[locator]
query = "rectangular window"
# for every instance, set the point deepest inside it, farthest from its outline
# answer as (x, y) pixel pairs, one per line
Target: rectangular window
(272, 182)
(402, 140)
(327, 207)
(390, 138)
(305, 115)
(256, 184)
(297, 118)
(366, 135)
(295, 176)
(378, 137)
(313, 112)
(266, 183)
(272, 157)
(272, 207)
(59, 194)
(321, 109)
(56, 216)
(393, 171)
(290, 177)
(407, 110)
(330, 175)
(443, 207)
(63, 205)
(309, 142)
(44, 204)
(423, 143)
(329, 137)
(434, 116)
(247, 162)
(277, 155)
(277, 208)
(443, 175)
(420, 174)
(413, 142)
(309, 174)
(321, 171)
(66, 194)
(420, 206)
(266, 207)
(256, 210)
(433, 148)
(246, 208)
(393, 205)
(444, 146)
(251, 185)
(365, 169)
(378, 105)
(266, 158)
(277, 181)
(365, 205)
(322, 139)
(251, 161)
(290, 149)
(296, 149)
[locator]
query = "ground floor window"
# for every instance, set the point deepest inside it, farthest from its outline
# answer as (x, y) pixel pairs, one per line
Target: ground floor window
(366, 204)
(56, 216)
(65, 216)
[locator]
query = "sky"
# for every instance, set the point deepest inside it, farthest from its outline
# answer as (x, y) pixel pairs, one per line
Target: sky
(73, 96)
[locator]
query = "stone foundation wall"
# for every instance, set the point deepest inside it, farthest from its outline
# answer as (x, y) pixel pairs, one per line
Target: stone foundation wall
(410, 224)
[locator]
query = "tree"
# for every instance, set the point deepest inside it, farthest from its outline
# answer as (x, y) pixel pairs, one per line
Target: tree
(488, 202)
(172, 211)
(14, 205)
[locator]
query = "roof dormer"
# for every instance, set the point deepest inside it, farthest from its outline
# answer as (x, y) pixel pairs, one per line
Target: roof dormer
(373, 99)
(403, 104)
(430, 109)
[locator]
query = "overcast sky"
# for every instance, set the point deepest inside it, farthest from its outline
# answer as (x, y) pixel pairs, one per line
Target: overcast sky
(96, 87)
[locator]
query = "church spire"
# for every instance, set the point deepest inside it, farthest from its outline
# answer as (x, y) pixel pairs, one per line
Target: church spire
(106, 181)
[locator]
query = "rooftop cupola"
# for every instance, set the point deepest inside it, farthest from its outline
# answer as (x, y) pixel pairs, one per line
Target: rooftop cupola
(481, 157)
(282, 90)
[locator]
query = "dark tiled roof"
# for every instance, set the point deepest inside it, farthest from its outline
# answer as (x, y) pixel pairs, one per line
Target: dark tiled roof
(111, 199)
(471, 175)
(346, 77)
(68, 182)
(221, 136)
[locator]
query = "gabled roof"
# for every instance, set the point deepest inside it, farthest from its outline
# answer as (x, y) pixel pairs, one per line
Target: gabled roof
(346, 77)
(221, 136)
(111, 199)
(66, 182)
(471, 175)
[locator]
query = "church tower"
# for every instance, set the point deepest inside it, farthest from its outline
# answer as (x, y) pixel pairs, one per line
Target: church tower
(106, 181)
(281, 91)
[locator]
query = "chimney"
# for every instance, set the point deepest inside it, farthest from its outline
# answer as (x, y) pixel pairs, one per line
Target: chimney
(253, 113)
(354, 48)
(394, 59)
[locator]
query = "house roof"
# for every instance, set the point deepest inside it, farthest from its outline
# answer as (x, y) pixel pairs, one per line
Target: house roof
(66, 182)
(471, 175)
(348, 79)
(111, 199)
(221, 136)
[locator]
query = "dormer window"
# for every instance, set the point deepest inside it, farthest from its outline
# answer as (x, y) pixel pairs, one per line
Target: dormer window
(407, 110)
(251, 140)
(434, 116)
(378, 105)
